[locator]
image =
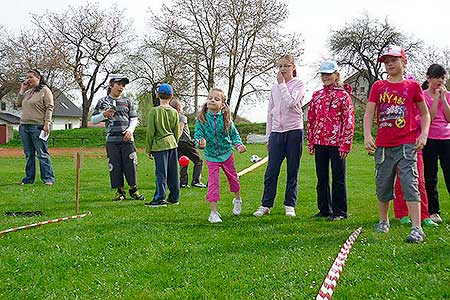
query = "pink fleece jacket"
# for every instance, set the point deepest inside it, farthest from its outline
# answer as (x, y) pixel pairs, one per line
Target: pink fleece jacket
(285, 107)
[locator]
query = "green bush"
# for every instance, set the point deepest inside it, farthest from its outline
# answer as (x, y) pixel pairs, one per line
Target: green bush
(95, 137)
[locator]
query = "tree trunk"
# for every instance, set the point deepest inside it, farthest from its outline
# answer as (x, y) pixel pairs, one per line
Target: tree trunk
(85, 110)
(196, 85)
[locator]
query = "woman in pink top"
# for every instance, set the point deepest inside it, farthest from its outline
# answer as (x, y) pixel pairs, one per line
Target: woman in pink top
(284, 130)
(438, 144)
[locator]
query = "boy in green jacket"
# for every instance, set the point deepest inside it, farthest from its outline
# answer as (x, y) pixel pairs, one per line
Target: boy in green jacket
(161, 143)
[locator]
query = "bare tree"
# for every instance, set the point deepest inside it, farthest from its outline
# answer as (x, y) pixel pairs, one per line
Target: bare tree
(235, 42)
(359, 44)
(430, 54)
(92, 45)
(197, 24)
(161, 59)
(28, 50)
(253, 42)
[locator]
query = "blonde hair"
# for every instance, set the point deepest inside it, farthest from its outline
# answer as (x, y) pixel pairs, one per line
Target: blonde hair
(225, 110)
(290, 58)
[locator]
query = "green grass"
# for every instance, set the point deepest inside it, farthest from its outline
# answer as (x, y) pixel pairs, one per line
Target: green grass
(127, 251)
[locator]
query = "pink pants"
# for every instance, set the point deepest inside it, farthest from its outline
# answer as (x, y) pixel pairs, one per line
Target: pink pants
(214, 178)
(400, 208)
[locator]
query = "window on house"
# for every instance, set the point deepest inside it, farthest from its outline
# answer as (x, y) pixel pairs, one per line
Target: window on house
(68, 126)
(3, 106)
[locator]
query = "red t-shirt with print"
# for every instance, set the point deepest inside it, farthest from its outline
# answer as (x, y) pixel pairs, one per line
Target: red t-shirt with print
(395, 104)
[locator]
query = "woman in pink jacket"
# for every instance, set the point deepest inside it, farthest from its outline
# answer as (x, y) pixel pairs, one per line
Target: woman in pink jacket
(330, 128)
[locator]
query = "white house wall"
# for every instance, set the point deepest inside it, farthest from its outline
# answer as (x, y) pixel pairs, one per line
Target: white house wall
(59, 123)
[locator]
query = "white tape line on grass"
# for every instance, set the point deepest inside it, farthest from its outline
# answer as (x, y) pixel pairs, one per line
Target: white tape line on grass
(43, 223)
(330, 282)
(254, 166)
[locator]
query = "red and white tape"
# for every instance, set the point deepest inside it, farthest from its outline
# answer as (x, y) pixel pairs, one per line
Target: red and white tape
(330, 282)
(43, 223)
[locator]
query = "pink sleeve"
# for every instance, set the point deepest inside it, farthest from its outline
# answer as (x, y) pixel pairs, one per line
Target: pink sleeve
(311, 121)
(420, 96)
(373, 93)
(269, 117)
(348, 122)
(295, 96)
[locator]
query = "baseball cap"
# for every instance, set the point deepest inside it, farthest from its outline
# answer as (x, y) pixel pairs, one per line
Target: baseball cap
(392, 50)
(119, 78)
(328, 67)
(165, 89)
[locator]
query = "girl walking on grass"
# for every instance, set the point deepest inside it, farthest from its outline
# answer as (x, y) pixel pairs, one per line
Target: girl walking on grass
(216, 133)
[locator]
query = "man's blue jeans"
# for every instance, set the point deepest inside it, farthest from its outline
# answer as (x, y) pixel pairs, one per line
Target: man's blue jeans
(32, 146)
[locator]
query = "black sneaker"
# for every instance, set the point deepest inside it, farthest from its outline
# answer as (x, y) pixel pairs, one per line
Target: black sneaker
(199, 185)
(321, 215)
(173, 202)
(119, 196)
(336, 217)
(156, 203)
(184, 186)
(134, 194)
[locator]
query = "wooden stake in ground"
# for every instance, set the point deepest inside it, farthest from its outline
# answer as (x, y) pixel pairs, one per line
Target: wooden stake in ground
(254, 166)
(77, 184)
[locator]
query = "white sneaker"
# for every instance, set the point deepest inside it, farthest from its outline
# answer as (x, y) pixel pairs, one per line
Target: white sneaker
(262, 210)
(237, 206)
(436, 218)
(290, 211)
(214, 217)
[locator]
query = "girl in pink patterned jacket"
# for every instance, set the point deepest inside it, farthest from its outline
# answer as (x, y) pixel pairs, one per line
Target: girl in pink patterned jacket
(330, 128)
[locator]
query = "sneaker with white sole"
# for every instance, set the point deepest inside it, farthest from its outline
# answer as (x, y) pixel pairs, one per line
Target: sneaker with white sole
(261, 211)
(382, 227)
(199, 185)
(416, 235)
(289, 211)
(237, 206)
(429, 223)
(436, 218)
(214, 217)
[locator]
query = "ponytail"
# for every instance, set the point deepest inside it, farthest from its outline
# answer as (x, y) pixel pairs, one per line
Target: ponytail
(226, 117)
(202, 114)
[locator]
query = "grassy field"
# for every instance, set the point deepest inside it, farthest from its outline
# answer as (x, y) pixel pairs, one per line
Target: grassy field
(127, 251)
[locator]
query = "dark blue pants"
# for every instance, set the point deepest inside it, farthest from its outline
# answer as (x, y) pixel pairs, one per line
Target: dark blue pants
(283, 145)
(166, 171)
(122, 160)
(433, 151)
(334, 202)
